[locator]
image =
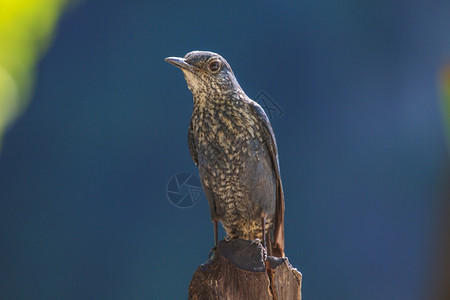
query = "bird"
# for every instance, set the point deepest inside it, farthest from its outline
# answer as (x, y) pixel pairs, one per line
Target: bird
(232, 142)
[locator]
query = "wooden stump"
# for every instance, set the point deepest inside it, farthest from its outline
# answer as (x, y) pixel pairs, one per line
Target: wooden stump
(238, 271)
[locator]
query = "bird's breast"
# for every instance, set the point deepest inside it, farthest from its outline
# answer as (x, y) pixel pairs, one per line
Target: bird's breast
(227, 141)
(225, 132)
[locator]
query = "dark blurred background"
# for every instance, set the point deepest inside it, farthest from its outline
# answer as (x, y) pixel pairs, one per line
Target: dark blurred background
(84, 169)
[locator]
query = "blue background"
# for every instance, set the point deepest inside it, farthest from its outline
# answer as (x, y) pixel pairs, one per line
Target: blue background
(83, 173)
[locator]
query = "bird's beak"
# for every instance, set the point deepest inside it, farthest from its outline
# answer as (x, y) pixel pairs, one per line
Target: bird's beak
(178, 62)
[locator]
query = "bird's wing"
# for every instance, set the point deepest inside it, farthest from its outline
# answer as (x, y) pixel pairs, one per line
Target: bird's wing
(191, 144)
(269, 139)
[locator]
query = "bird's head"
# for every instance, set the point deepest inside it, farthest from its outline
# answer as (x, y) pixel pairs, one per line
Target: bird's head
(206, 73)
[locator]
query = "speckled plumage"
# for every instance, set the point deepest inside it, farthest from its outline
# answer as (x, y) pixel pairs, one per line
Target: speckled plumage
(232, 143)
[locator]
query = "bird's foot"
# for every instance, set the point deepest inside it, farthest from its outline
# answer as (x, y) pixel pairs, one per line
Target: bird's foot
(256, 241)
(212, 252)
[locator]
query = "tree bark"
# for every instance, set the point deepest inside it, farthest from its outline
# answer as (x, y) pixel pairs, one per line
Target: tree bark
(241, 270)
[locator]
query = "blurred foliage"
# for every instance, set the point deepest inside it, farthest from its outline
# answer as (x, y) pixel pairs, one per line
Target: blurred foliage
(445, 87)
(26, 28)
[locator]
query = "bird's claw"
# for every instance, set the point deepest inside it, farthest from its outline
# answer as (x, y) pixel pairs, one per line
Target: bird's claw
(256, 241)
(212, 252)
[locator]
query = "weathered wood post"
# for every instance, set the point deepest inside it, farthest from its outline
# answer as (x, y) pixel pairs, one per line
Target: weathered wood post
(240, 270)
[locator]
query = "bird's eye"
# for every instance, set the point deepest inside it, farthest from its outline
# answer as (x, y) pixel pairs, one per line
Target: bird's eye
(214, 66)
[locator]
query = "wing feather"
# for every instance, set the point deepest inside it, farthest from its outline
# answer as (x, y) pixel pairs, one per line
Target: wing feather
(191, 144)
(269, 139)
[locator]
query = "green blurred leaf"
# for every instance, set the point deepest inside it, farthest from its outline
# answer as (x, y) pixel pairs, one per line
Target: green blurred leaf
(26, 29)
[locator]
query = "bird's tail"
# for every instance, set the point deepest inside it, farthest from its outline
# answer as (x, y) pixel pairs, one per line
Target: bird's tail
(278, 229)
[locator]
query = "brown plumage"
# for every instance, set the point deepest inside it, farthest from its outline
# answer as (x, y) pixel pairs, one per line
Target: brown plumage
(232, 143)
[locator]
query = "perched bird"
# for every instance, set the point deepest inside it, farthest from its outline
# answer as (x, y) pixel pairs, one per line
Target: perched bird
(232, 143)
